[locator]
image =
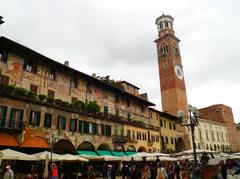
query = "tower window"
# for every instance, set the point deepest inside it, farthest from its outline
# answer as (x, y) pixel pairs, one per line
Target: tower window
(164, 50)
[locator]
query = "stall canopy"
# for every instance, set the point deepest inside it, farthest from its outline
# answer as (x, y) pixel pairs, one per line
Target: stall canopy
(86, 152)
(47, 155)
(9, 154)
(119, 154)
(69, 157)
(104, 152)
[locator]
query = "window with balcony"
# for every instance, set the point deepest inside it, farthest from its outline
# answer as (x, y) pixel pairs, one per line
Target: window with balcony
(35, 117)
(16, 118)
(73, 125)
(4, 80)
(33, 88)
(3, 115)
(61, 122)
(48, 120)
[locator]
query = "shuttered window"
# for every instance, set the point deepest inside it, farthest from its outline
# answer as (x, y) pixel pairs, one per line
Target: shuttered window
(61, 122)
(34, 118)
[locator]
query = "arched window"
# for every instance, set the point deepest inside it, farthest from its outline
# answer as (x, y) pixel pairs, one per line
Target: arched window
(164, 50)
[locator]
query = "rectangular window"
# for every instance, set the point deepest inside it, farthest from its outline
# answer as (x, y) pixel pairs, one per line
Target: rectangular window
(117, 99)
(166, 139)
(89, 87)
(128, 134)
(157, 116)
(129, 116)
(95, 128)
(172, 142)
(3, 115)
(161, 123)
(73, 125)
(4, 80)
(170, 125)
(51, 94)
(128, 103)
(174, 126)
(80, 126)
(35, 117)
(142, 108)
(108, 131)
(117, 112)
(162, 140)
(74, 83)
(30, 66)
(3, 56)
(165, 124)
(48, 120)
(74, 100)
(52, 74)
(61, 123)
(133, 134)
(151, 115)
(85, 127)
(16, 118)
(200, 135)
(33, 88)
(105, 93)
(105, 111)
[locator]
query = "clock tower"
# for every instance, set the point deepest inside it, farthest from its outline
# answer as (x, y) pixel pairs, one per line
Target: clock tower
(173, 91)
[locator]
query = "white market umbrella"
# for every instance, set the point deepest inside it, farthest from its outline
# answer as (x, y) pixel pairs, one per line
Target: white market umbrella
(198, 151)
(70, 157)
(165, 158)
(158, 154)
(1, 156)
(45, 154)
(9, 154)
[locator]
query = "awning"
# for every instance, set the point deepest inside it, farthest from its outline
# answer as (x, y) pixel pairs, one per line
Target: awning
(87, 152)
(119, 154)
(9, 154)
(130, 153)
(104, 152)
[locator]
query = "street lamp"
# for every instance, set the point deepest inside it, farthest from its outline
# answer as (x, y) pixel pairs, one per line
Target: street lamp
(190, 120)
(1, 21)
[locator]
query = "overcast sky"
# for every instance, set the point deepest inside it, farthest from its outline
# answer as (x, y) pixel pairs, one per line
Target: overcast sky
(115, 37)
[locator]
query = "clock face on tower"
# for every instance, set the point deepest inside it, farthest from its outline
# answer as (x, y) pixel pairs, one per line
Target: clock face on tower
(178, 72)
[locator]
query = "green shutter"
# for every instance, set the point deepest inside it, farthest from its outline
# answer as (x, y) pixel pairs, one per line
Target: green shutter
(38, 118)
(64, 123)
(3, 117)
(20, 122)
(11, 119)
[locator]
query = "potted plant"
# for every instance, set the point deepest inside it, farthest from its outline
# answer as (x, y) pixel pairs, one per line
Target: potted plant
(42, 97)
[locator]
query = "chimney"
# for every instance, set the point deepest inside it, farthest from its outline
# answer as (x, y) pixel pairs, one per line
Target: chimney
(66, 63)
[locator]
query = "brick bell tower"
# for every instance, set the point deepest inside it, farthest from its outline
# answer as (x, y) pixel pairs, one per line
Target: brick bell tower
(172, 84)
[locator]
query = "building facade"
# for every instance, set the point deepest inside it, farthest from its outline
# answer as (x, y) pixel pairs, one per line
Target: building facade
(223, 114)
(46, 104)
(211, 135)
(168, 130)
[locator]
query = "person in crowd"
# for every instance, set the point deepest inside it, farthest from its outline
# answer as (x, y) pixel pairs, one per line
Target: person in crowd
(54, 171)
(231, 170)
(153, 170)
(110, 172)
(161, 172)
(91, 173)
(170, 172)
(146, 174)
(222, 170)
(104, 170)
(176, 170)
(9, 173)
